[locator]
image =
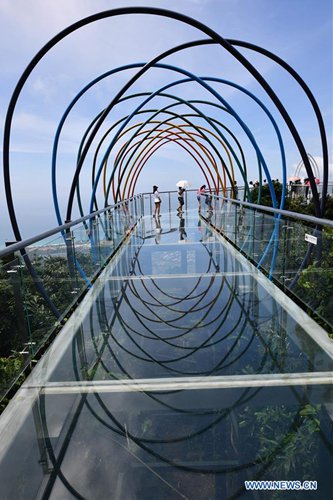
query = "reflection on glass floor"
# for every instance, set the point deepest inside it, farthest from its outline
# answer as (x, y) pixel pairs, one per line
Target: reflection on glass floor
(183, 373)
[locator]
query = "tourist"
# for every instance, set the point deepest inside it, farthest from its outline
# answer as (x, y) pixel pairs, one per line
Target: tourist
(181, 192)
(307, 187)
(235, 190)
(157, 201)
(201, 192)
(209, 201)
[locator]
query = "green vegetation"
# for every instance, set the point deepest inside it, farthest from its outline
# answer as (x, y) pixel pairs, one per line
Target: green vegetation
(297, 204)
(316, 281)
(10, 367)
(284, 439)
(314, 285)
(26, 321)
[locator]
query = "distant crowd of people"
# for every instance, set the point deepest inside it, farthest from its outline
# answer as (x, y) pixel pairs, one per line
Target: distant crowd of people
(296, 186)
(300, 187)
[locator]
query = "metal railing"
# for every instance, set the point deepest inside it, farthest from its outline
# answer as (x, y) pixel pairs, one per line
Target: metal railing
(294, 250)
(43, 278)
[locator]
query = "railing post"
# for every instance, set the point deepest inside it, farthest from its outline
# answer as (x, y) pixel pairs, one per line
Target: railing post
(142, 205)
(69, 241)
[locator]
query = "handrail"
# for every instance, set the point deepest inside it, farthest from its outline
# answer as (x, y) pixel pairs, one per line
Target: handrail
(286, 213)
(15, 247)
(29, 241)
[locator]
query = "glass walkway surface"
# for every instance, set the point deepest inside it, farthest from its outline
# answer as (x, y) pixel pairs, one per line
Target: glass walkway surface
(183, 373)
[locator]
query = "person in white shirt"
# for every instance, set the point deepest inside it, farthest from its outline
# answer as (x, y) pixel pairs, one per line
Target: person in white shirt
(157, 201)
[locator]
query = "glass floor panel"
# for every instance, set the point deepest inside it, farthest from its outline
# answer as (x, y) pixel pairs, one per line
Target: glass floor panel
(192, 444)
(187, 326)
(174, 230)
(183, 373)
(177, 259)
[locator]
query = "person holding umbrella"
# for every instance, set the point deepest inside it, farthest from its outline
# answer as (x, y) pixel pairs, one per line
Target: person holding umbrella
(181, 190)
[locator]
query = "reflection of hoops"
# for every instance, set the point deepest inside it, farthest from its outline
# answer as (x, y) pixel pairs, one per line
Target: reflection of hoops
(147, 357)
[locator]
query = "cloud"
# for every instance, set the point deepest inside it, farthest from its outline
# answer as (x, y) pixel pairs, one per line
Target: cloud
(34, 134)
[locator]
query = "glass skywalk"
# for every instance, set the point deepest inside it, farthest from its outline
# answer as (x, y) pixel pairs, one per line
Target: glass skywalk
(183, 373)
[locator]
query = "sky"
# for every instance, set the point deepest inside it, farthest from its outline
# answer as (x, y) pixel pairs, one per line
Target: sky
(299, 31)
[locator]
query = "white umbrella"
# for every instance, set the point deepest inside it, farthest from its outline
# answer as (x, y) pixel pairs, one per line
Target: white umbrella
(183, 184)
